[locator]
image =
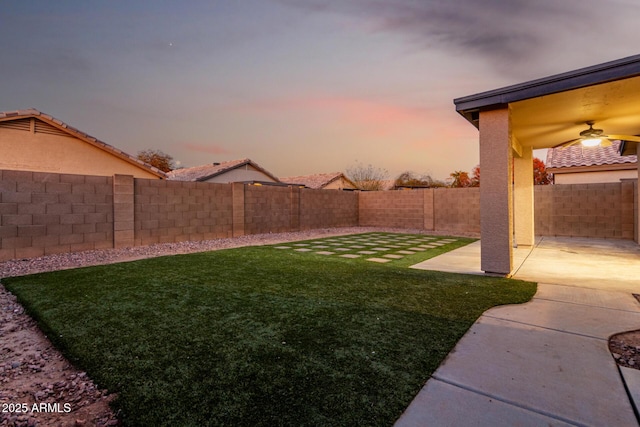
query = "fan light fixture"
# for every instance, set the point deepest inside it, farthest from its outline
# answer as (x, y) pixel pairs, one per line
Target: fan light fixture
(591, 142)
(596, 137)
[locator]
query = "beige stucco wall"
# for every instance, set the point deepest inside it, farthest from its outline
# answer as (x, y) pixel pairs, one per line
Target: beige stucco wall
(241, 174)
(41, 152)
(594, 177)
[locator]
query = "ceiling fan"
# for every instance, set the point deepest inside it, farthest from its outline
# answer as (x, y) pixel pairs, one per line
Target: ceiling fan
(596, 137)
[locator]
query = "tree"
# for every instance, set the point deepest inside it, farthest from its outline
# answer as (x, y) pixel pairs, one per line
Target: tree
(460, 179)
(475, 176)
(369, 178)
(157, 158)
(540, 174)
(410, 179)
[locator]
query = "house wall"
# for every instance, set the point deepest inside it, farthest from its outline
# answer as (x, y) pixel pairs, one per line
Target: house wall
(594, 177)
(45, 152)
(245, 173)
(48, 213)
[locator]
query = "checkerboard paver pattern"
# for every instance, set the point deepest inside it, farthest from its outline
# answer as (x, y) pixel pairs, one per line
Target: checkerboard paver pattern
(374, 247)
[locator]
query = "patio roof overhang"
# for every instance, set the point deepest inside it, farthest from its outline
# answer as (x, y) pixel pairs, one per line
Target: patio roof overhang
(542, 113)
(548, 111)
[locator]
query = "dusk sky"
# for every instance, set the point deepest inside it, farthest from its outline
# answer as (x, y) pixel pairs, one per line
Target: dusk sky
(299, 86)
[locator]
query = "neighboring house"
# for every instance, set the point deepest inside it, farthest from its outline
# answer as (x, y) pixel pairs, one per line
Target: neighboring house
(582, 165)
(325, 181)
(243, 170)
(33, 141)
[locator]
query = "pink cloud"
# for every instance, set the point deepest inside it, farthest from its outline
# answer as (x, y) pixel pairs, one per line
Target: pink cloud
(377, 117)
(205, 148)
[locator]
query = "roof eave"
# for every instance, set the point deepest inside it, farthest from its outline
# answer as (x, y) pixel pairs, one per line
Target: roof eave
(469, 106)
(245, 162)
(609, 167)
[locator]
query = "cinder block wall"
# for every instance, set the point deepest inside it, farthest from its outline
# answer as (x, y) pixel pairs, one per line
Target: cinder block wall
(173, 211)
(404, 209)
(267, 209)
(328, 208)
(457, 210)
(46, 213)
(585, 210)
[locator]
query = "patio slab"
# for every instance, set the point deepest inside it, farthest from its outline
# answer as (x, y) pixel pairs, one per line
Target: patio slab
(462, 260)
(593, 262)
(550, 356)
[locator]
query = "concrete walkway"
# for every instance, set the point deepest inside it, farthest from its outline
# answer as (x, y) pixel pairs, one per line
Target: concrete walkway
(545, 362)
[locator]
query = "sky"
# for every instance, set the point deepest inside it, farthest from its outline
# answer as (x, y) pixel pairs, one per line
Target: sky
(298, 86)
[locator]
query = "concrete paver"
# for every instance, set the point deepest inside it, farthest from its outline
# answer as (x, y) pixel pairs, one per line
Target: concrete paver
(545, 362)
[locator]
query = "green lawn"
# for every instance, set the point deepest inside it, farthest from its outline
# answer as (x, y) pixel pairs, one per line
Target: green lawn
(259, 336)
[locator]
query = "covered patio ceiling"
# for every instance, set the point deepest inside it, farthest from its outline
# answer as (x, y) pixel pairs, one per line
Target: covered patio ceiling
(552, 110)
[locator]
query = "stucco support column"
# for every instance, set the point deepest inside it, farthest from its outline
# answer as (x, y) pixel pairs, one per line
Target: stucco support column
(523, 216)
(496, 195)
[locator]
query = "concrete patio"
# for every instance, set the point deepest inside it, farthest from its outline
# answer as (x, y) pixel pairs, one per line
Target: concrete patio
(545, 362)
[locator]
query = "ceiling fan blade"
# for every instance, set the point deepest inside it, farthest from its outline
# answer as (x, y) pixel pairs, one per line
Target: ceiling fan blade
(605, 142)
(568, 143)
(625, 137)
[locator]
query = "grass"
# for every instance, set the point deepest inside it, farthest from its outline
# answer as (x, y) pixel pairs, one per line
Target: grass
(259, 336)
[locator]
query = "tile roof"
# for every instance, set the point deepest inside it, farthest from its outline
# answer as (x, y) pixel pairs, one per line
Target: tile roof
(316, 181)
(208, 171)
(32, 112)
(577, 155)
